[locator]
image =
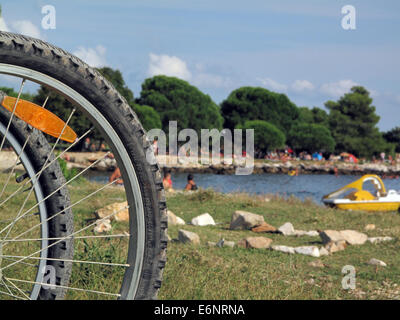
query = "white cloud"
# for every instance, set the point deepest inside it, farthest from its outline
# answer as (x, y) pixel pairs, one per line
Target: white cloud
(273, 85)
(212, 80)
(338, 89)
(26, 28)
(169, 66)
(3, 25)
(302, 86)
(94, 57)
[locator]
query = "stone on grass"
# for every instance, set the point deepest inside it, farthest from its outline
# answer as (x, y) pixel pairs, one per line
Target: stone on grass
(255, 243)
(220, 243)
(323, 252)
(286, 229)
(375, 240)
(369, 227)
(308, 251)
(350, 236)
(180, 221)
(188, 237)
(173, 220)
(116, 211)
(328, 236)
(230, 244)
(285, 249)
(354, 237)
(316, 264)
(102, 226)
(377, 262)
(203, 220)
(333, 247)
(264, 227)
(311, 233)
(242, 220)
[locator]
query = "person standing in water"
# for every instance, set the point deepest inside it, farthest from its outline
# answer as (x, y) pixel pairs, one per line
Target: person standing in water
(116, 175)
(191, 185)
(167, 181)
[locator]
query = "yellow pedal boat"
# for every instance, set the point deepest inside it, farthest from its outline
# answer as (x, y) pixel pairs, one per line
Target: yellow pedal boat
(354, 197)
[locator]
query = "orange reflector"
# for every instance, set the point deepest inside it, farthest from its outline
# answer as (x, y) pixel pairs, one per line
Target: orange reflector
(39, 118)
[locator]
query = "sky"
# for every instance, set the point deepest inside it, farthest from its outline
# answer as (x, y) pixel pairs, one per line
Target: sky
(296, 47)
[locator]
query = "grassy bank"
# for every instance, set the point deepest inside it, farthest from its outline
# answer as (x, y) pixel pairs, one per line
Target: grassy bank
(202, 272)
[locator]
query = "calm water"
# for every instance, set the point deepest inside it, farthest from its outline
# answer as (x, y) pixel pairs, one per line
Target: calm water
(302, 186)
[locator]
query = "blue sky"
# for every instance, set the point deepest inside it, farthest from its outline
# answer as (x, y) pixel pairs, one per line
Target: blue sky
(293, 46)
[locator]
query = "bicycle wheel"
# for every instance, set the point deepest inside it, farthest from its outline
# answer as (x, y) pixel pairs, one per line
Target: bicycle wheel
(125, 262)
(32, 149)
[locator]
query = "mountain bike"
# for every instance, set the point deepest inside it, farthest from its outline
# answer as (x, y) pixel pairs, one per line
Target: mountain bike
(48, 246)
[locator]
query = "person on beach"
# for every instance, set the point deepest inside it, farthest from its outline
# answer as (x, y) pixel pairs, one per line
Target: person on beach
(167, 181)
(116, 175)
(191, 185)
(86, 145)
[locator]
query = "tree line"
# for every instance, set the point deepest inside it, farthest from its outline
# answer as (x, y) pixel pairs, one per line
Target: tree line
(347, 125)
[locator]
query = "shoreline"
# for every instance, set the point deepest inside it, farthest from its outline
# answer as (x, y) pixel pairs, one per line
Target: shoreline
(81, 160)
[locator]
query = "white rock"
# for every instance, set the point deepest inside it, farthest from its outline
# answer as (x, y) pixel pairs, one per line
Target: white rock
(286, 229)
(377, 262)
(230, 244)
(308, 250)
(369, 227)
(242, 220)
(330, 236)
(311, 233)
(173, 220)
(379, 239)
(116, 211)
(103, 226)
(354, 237)
(188, 237)
(203, 220)
(285, 249)
(350, 236)
(180, 221)
(323, 252)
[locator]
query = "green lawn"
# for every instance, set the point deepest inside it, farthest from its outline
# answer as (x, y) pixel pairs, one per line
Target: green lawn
(202, 272)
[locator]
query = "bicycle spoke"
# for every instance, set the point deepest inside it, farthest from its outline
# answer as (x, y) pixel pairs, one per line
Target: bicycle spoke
(73, 261)
(12, 114)
(17, 288)
(68, 237)
(5, 285)
(19, 155)
(38, 203)
(15, 193)
(40, 173)
(64, 238)
(65, 287)
(67, 208)
(13, 168)
(25, 263)
(11, 295)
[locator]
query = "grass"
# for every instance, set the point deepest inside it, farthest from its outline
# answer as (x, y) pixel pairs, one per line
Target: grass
(202, 272)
